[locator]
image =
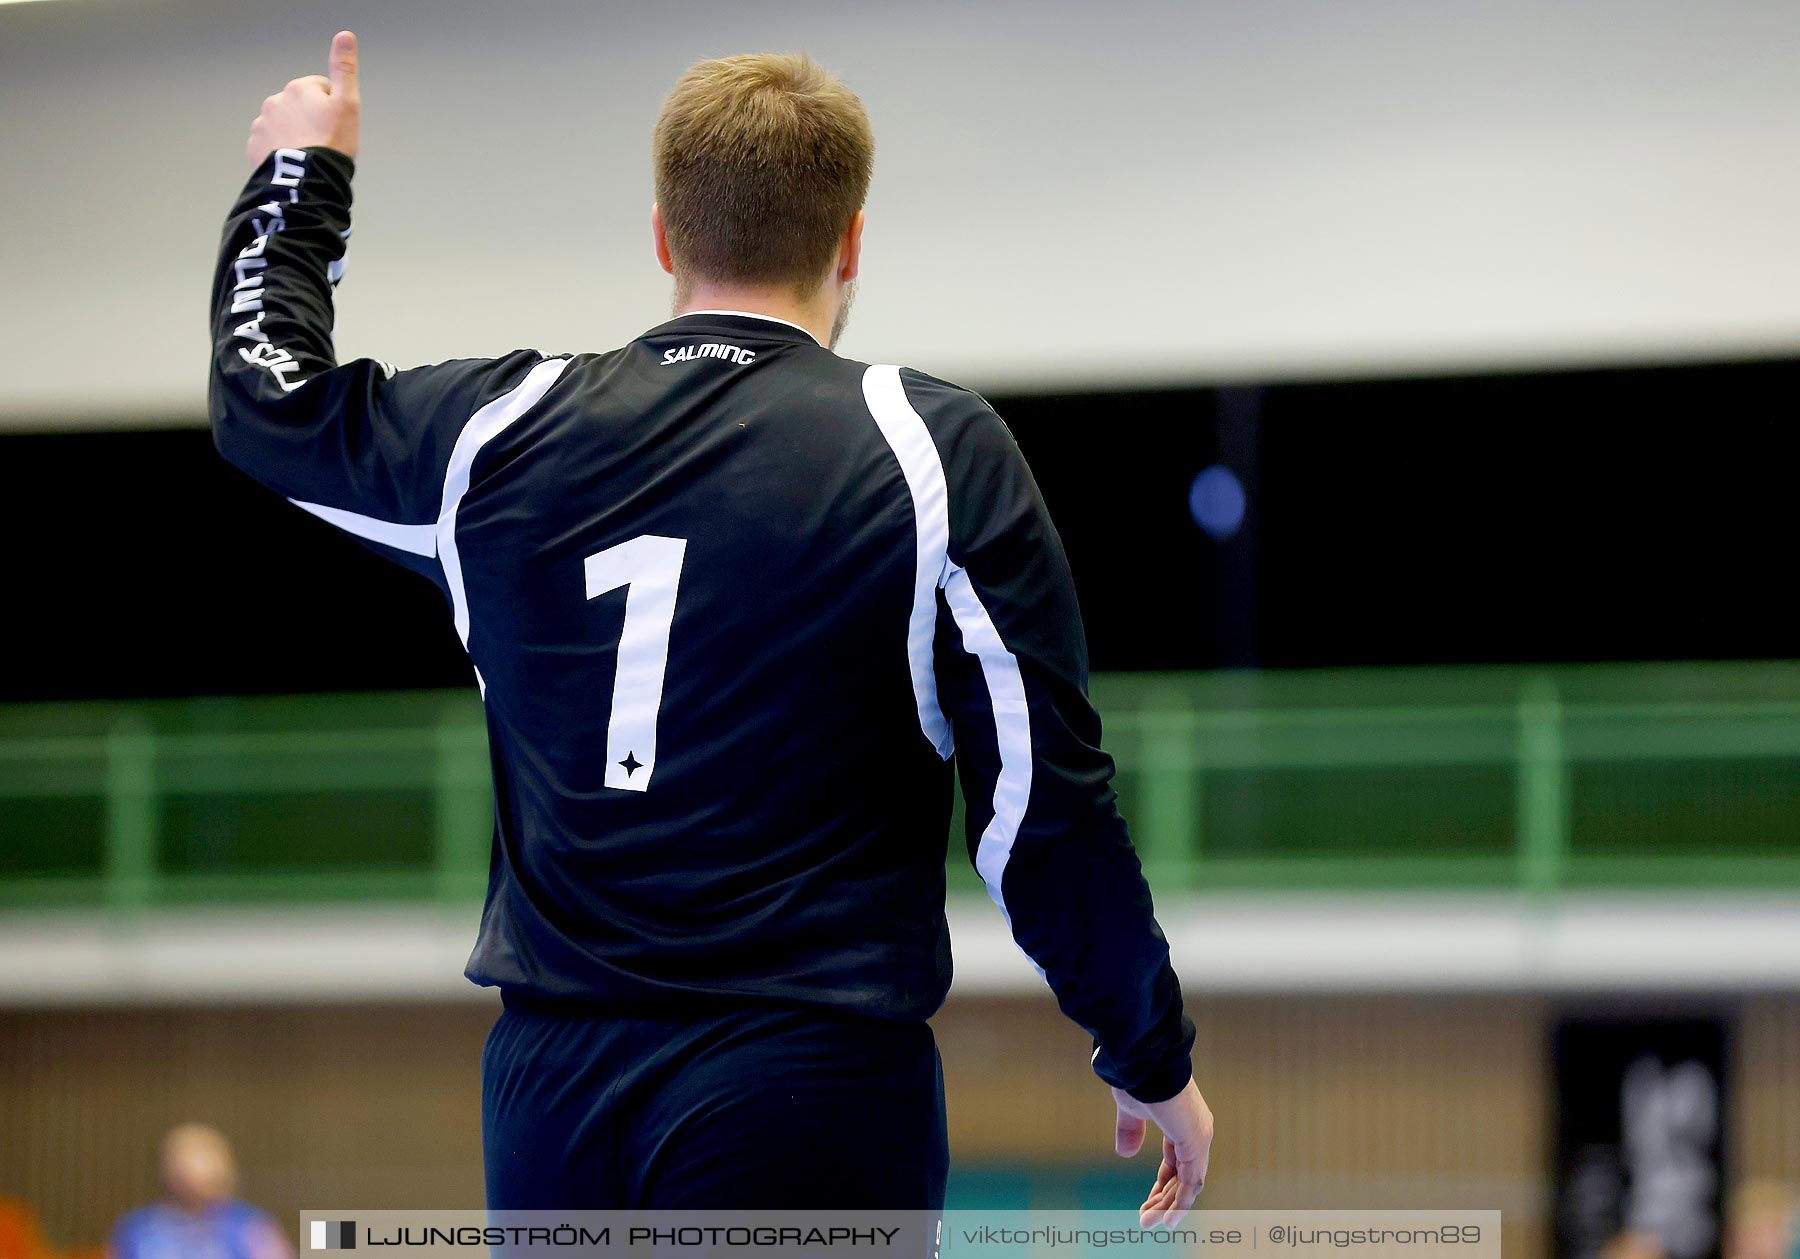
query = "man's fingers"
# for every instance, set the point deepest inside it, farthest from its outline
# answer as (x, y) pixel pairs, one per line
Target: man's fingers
(1189, 1168)
(1128, 1137)
(1156, 1205)
(1161, 1193)
(343, 64)
(1180, 1202)
(1168, 1205)
(1193, 1160)
(1178, 1184)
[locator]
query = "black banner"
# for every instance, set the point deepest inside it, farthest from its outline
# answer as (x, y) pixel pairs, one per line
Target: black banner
(1640, 1134)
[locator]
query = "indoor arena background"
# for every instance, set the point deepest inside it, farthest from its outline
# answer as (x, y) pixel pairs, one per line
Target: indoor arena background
(1412, 383)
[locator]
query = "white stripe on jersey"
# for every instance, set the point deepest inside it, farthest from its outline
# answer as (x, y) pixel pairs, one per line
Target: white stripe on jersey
(1012, 733)
(485, 425)
(923, 468)
(911, 443)
(418, 539)
(424, 539)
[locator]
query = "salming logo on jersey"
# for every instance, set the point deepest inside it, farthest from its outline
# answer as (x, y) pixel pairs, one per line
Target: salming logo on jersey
(710, 349)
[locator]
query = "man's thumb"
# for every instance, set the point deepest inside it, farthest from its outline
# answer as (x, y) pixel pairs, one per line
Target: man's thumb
(1128, 1137)
(343, 64)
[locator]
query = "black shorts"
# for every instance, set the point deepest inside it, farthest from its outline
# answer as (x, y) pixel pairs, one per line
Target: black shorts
(740, 1109)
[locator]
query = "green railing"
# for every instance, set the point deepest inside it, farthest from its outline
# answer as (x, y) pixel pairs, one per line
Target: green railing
(1536, 780)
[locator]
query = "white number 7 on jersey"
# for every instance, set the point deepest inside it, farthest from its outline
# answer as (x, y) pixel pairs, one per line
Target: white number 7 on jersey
(650, 566)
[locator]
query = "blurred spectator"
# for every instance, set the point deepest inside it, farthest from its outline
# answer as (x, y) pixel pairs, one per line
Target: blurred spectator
(201, 1219)
(1761, 1223)
(21, 1236)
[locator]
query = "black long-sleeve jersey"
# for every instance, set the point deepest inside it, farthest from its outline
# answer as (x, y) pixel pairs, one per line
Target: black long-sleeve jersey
(734, 603)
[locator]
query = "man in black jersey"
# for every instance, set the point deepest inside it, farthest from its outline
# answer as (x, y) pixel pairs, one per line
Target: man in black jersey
(734, 605)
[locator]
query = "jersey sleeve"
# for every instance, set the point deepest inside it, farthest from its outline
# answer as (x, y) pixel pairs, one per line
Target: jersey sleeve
(1044, 829)
(358, 444)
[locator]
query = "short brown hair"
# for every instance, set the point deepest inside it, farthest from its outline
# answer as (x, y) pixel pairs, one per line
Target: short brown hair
(761, 162)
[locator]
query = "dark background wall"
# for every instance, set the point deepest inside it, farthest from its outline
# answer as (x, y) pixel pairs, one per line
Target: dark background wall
(1621, 514)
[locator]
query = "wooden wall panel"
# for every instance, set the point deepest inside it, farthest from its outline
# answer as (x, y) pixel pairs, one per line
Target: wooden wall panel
(1341, 1102)
(1766, 1121)
(1321, 1102)
(355, 1105)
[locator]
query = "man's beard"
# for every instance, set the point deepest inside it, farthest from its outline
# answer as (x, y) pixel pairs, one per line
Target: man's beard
(843, 315)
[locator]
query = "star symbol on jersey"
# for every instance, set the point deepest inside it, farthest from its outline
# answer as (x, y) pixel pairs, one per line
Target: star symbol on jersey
(631, 764)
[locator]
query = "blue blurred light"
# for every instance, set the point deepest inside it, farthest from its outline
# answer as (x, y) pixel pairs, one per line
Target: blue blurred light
(1217, 501)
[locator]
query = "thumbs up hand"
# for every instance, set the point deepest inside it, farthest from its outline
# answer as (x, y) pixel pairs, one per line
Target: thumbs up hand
(315, 110)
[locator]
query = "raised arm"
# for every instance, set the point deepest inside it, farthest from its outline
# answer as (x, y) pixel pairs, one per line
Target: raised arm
(283, 252)
(1044, 829)
(359, 444)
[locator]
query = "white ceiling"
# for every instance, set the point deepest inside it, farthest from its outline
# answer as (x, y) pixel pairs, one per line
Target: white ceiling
(1066, 193)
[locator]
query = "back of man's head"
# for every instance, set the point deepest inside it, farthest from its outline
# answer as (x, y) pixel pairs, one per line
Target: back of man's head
(762, 160)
